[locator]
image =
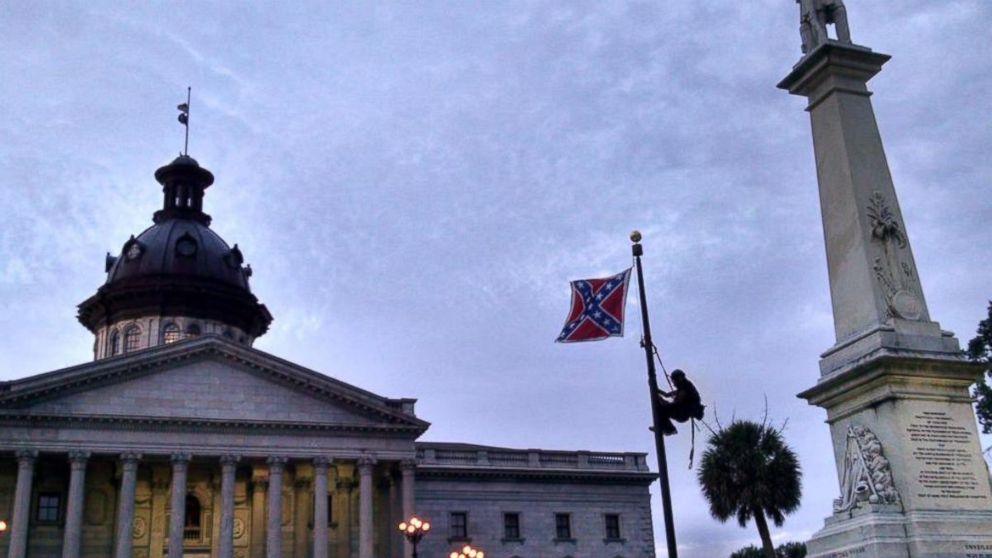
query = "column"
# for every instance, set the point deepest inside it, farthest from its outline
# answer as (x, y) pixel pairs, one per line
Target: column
(273, 538)
(177, 517)
(22, 504)
(365, 525)
(228, 468)
(407, 469)
(74, 508)
(125, 506)
(320, 519)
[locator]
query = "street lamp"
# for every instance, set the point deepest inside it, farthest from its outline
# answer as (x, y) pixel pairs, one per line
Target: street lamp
(3, 528)
(468, 552)
(414, 530)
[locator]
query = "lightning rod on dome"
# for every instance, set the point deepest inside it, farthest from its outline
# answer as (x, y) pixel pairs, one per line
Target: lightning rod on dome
(184, 119)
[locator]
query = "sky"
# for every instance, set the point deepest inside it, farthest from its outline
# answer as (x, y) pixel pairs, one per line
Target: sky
(415, 183)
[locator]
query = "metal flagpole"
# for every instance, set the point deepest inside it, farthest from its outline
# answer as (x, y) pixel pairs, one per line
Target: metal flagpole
(659, 437)
(186, 144)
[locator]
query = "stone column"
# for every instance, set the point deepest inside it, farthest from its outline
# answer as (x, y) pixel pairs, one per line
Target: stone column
(74, 508)
(228, 467)
(407, 470)
(22, 504)
(365, 516)
(320, 518)
(177, 517)
(273, 537)
(125, 509)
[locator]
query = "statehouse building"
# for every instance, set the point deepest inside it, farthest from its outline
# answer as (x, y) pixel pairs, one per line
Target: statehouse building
(179, 439)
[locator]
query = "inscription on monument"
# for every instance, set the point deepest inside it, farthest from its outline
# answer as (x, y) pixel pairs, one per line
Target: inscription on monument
(944, 457)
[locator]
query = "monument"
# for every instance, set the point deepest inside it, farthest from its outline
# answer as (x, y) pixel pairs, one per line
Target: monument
(913, 482)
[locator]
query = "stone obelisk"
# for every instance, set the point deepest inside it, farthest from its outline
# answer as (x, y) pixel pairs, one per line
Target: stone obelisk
(913, 482)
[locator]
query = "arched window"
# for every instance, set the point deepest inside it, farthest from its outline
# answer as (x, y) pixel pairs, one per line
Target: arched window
(132, 338)
(170, 333)
(193, 330)
(115, 343)
(192, 531)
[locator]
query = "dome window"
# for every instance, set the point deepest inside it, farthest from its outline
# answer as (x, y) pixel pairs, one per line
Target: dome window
(193, 330)
(133, 250)
(115, 343)
(171, 334)
(186, 246)
(132, 338)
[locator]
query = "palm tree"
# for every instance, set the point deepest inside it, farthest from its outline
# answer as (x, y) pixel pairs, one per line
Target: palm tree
(748, 471)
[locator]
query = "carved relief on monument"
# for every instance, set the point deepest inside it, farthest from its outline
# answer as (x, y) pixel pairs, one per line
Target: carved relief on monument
(139, 528)
(893, 271)
(239, 528)
(867, 478)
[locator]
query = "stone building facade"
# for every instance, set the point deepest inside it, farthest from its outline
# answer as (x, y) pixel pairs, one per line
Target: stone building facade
(181, 440)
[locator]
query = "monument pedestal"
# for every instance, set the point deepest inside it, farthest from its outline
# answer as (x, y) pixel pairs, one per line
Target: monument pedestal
(913, 480)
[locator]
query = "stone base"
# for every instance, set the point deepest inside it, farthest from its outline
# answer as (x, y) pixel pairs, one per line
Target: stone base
(882, 532)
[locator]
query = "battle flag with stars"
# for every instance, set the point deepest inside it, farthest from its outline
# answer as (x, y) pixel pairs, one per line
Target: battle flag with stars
(597, 309)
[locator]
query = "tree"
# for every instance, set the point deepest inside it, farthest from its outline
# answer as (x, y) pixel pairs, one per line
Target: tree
(787, 550)
(980, 350)
(748, 472)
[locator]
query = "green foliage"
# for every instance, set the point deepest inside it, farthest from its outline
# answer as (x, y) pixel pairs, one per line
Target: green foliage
(980, 350)
(792, 550)
(787, 550)
(747, 472)
(749, 551)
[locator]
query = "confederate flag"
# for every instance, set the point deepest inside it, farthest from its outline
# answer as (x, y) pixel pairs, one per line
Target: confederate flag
(597, 309)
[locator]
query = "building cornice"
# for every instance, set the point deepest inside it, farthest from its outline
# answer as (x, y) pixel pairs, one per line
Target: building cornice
(18, 394)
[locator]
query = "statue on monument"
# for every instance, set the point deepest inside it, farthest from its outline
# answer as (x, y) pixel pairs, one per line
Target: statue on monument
(815, 15)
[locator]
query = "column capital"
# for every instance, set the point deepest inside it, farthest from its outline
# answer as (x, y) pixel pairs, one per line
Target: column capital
(78, 458)
(365, 463)
(408, 465)
(229, 459)
(276, 463)
(180, 458)
(26, 456)
(322, 463)
(130, 458)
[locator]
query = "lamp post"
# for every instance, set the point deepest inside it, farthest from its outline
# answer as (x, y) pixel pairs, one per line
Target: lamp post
(468, 552)
(3, 528)
(414, 530)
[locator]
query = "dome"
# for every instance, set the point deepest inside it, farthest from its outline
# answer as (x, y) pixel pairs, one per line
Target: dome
(179, 247)
(178, 267)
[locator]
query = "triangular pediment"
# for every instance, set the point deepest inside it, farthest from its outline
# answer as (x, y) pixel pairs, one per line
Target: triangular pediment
(210, 380)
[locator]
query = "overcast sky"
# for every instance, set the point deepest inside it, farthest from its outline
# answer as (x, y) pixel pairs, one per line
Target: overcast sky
(414, 184)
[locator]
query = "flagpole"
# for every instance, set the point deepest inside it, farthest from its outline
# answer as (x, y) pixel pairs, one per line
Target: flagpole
(659, 437)
(186, 143)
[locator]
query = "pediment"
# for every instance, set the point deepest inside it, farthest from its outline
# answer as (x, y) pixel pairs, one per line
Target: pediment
(209, 380)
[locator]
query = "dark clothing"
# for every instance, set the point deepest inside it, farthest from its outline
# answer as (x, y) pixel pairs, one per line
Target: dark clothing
(685, 404)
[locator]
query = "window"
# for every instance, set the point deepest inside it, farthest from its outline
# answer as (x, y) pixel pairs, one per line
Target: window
(191, 531)
(132, 338)
(458, 522)
(330, 511)
(170, 333)
(563, 526)
(49, 505)
(612, 526)
(192, 330)
(115, 343)
(511, 526)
